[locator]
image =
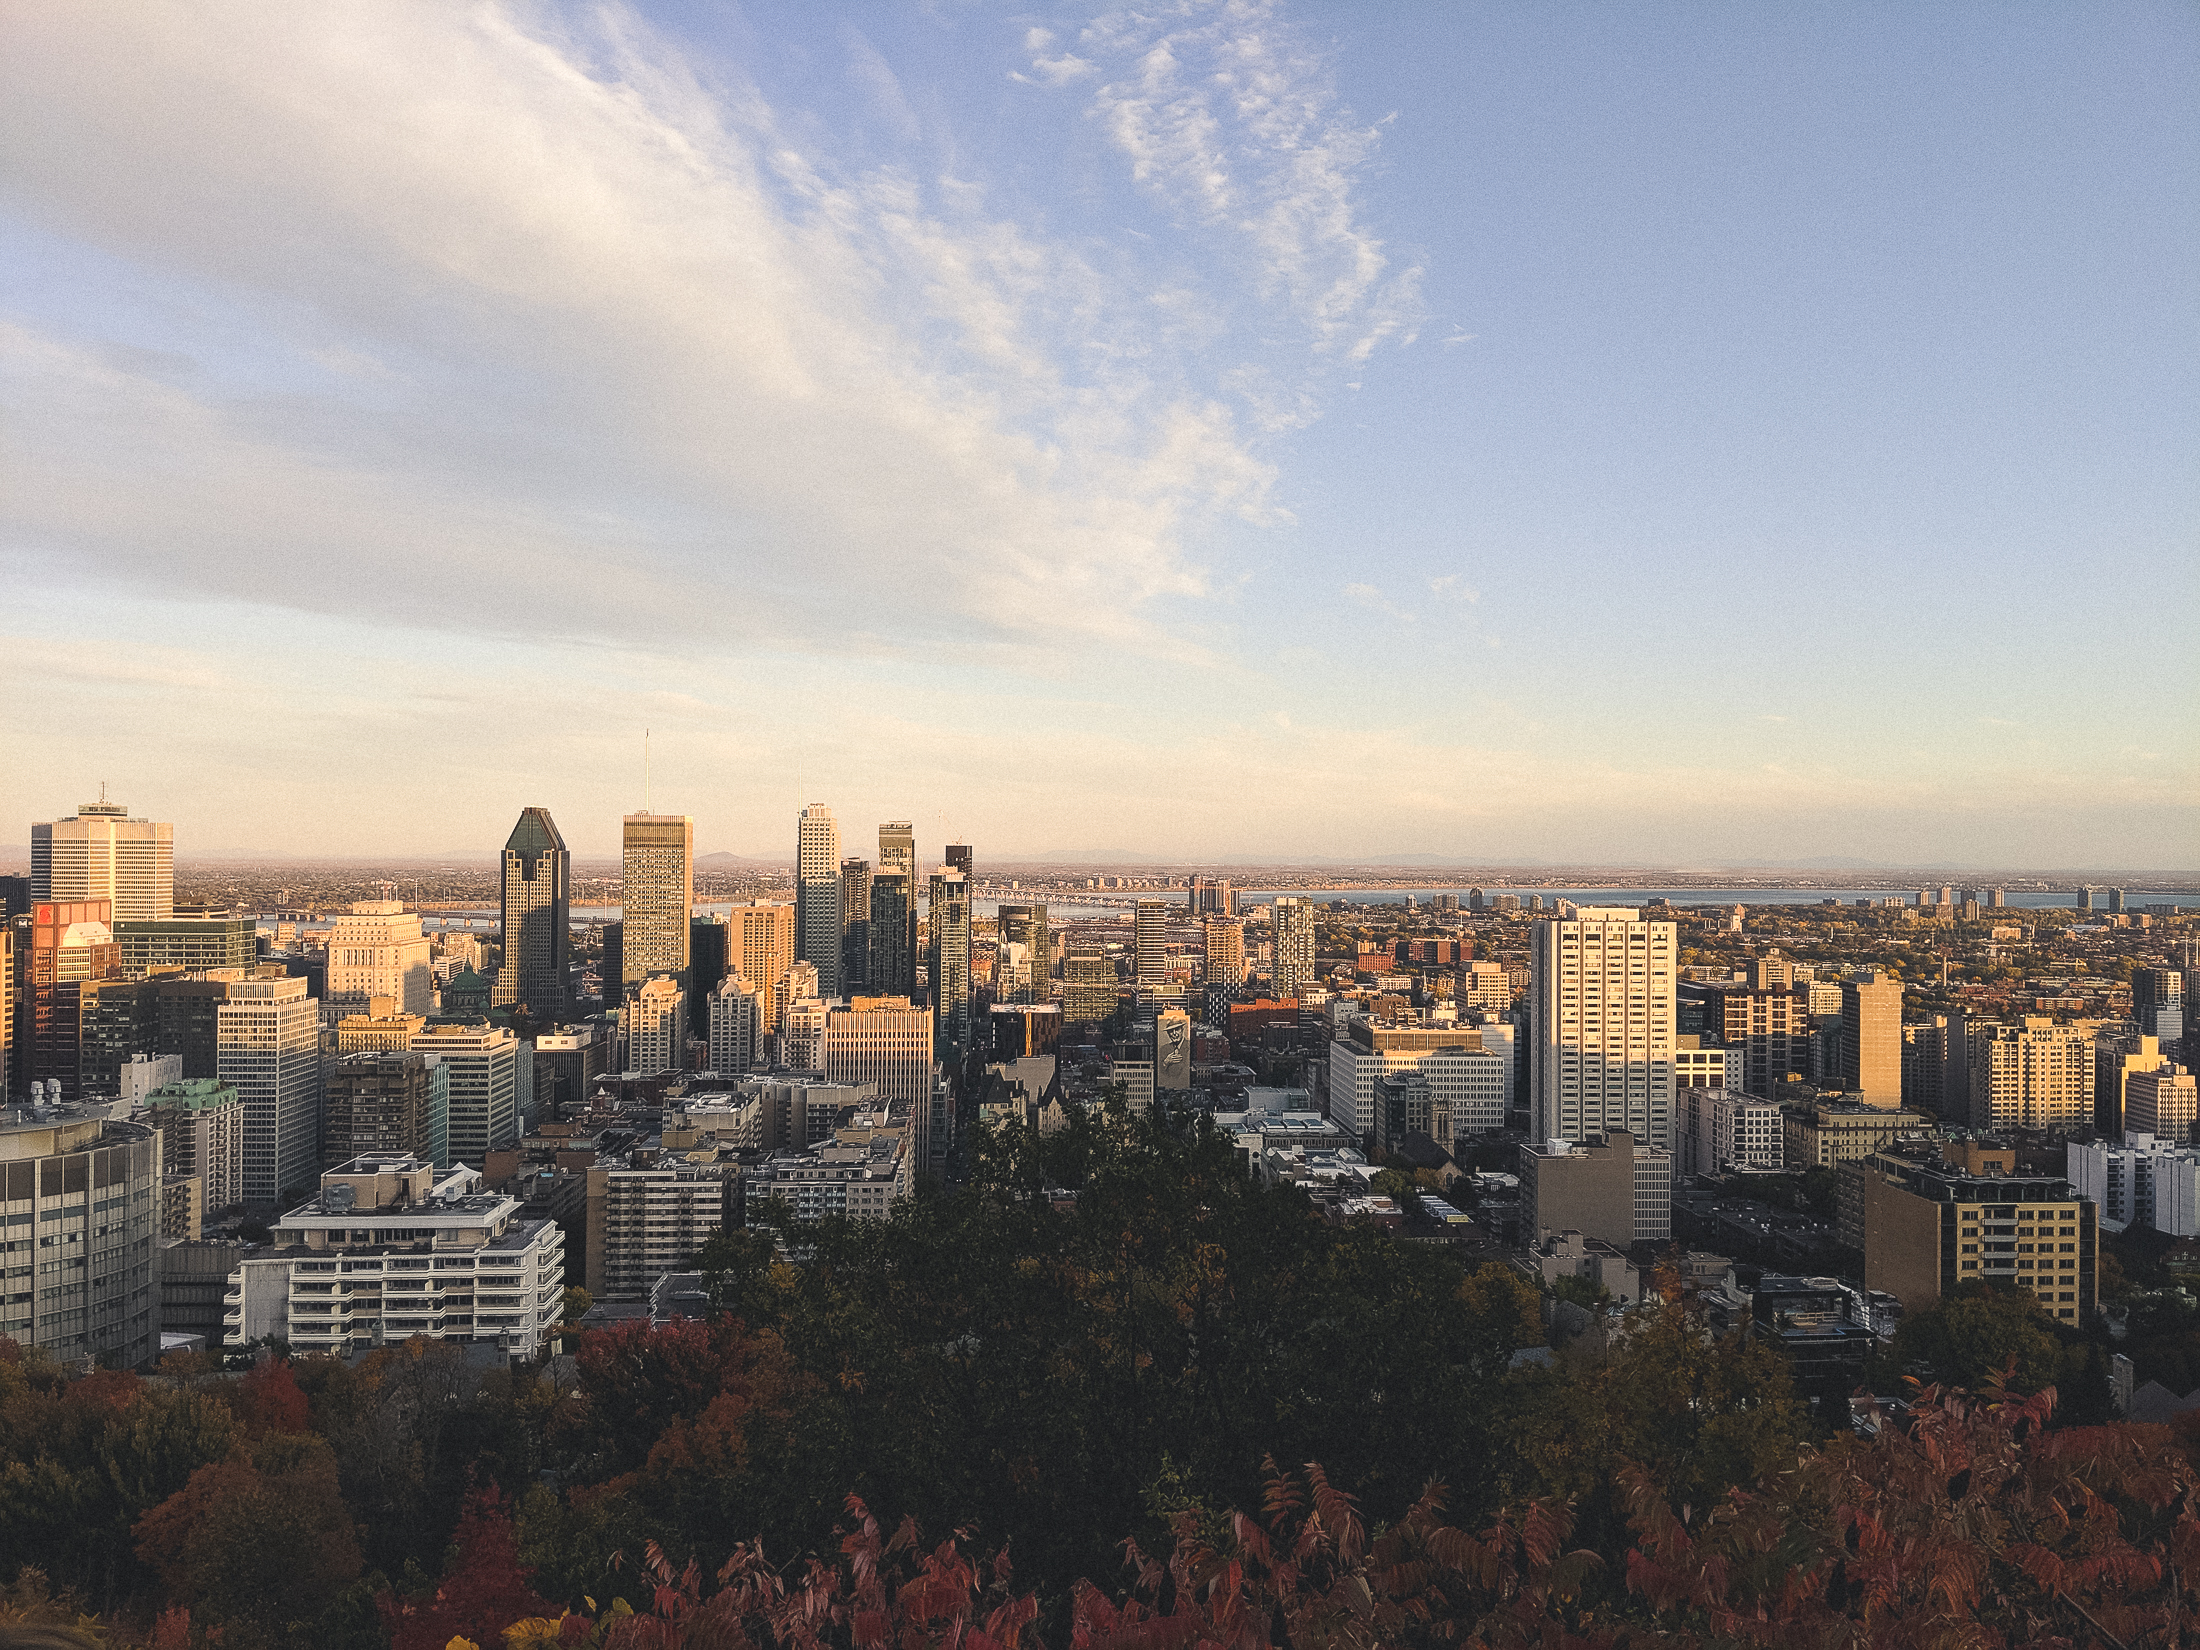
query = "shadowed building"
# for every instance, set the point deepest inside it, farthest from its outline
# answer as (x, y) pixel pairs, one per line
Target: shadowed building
(538, 926)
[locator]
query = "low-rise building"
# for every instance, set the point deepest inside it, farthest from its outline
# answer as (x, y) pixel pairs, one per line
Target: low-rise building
(1606, 1187)
(1723, 1129)
(862, 1173)
(1929, 1227)
(386, 1251)
(1831, 1132)
(2146, 1181)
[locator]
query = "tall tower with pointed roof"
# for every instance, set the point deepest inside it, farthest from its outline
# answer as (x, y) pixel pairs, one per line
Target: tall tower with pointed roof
(538, 929)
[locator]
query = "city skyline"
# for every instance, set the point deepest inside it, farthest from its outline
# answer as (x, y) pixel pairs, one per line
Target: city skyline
(1678, 438)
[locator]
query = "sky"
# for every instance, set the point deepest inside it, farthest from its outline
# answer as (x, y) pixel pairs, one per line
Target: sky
(1661, 435)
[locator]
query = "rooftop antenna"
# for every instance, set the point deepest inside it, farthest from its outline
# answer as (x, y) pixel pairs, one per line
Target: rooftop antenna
(645, 770)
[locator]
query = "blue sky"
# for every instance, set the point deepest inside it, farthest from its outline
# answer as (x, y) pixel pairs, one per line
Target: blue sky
(1664, 435)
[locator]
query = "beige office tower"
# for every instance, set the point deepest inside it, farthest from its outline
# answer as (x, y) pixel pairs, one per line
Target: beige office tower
(882, 1040)
(897, 849)
(105, 854)
(376, 949)
(657, 893)
(268, 1048)
(655, 1022)
(1293, 969)
(1871, 1039)
(1225, 951)
(761, 950)
(2037, 1075)
(1601, 1001)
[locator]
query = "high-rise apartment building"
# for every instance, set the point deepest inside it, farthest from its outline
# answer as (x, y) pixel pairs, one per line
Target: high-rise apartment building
(1026, 925)
(376, 949)
(1601, 1004)
(2115, 1061)
(855, 925)
(269, 1051)
(657, 895)
(893, 932)
(1210, 896)
(2163, 1102)
(1871, 1039)
(201, 1124)
(1769, 1023)
(491, 1086)
(947, 919)
(656, 1023)
(1929, 1227)
(2036, 1075)
(736, 1026)
(1293, 920)
(2158, 1004)
(817, 918)
(1150, 936)
(538, 919)
(1225, 951)
(388, 1103)
(761, 950)
(104, 854)
(897, 848)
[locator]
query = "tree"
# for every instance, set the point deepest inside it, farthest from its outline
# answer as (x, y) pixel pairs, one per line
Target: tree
(484, 1589)
(1971, 1335)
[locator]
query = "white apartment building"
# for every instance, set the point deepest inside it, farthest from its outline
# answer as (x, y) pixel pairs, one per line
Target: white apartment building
(2147, 1180)
(376, 949)
(1722, 1129)
(2164, 1102)
(105, 854)
(387, 1251)
(1601, 998)
(268, 1048)
(655, 1021)
(491, 1086)
(1292, 971)
(736, 1026)
(2036, 1075)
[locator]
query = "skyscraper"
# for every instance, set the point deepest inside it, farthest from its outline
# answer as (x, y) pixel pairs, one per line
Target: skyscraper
(1225, 951)
(1293, 970)
(855, 925)
(817, 896)
(376, 949)
(269, 1051)
(69, 948)
(1871, 1039)
(761, 951)
(958, 856)
(105, 854)
(538, 911)
(2158, 1004)
(1210, 896)
(897, 848)
(657, 892)
(1601, 1008)
(893, 932)
(948, 963)
(1151, 941)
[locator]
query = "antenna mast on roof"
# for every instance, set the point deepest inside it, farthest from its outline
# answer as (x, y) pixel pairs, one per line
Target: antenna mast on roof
(645, 770)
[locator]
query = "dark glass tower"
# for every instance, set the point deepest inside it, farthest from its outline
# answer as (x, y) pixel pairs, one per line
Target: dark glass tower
(538, 914)
(893, 934)
(855, 926)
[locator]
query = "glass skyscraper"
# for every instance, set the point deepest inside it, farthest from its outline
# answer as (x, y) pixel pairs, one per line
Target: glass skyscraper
(538, 911)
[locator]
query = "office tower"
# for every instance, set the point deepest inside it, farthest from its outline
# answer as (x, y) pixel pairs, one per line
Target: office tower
(2115, 1061)
(7, 1010)
(104, 854)
(1026, 925)
(1210, 897)
(817, 895)
(1770, 1026)
(1871, 1039)
(655, 1021)
(760, 948)
(893, 932)
(855, 925)
(1601, 1009)
(736, 1026)
(2161, 1102)
(1293, 970)
(1088, 984)
(948, 963)
(393, 1103)
(1931, 1226)
(1151, 942)
(1612, 1187)
(2158, 1003)
(897, 848)
(538, 919)
(1172, 1041)
(201, 1125)
(882, 1040)
(114, 1025)
(1996, 898)
(193, 939)
(1469, 1078)
(270, 1053)
(491, 1078)
(958, 857)
(710, 960)
(2037, 1075)
(69, 945)
(567, 1063)
(187, 1021)
(658, 893)
(1924, 1058)
(611, 966)
(376, 949)
(1225, 952)
(83, 1196)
